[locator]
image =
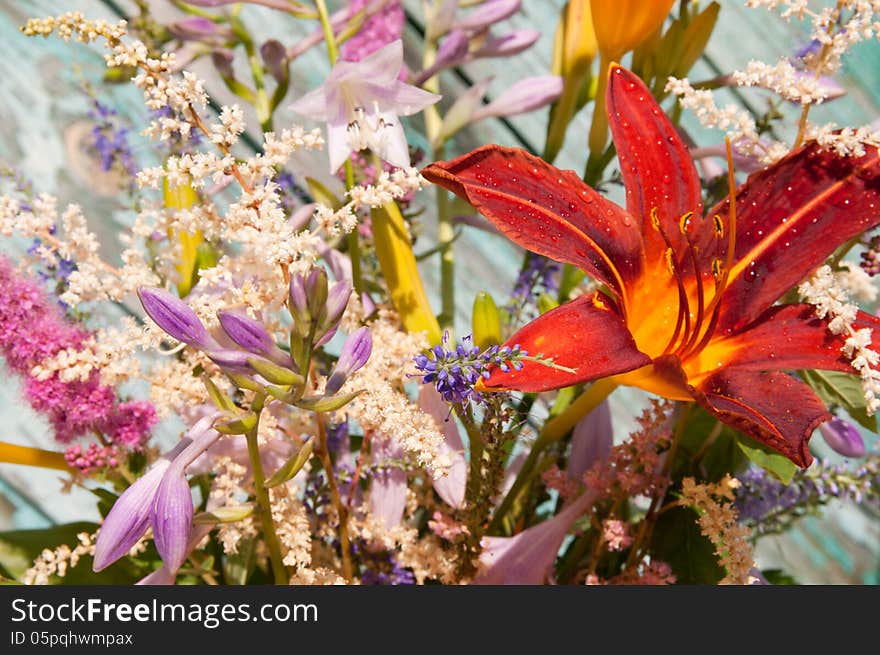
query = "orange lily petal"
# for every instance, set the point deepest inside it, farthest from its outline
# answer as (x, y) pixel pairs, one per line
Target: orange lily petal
(545, 210)
(785, 337)
(791, 216)
(586, 334)
(658, 172)
(770, 407)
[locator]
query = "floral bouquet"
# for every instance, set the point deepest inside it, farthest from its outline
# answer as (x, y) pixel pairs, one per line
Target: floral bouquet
(348, 334)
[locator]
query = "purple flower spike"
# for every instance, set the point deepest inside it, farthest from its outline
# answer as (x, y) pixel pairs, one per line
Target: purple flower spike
(128, 519)
(172, 518)
(524, 96)
(354, 355)
(843, 438)
(508, 45)
(487, 14)
(175, 317)
(591, 441)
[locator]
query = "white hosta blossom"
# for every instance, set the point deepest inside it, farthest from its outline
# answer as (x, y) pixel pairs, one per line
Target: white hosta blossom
(827, 292)
(361, 102)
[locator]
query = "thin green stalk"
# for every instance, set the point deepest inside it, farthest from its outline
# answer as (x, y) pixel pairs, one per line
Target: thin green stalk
(327, 28)
(354, 244)
(279, 572)
(553, 431)
(445, 228)
(341, 509)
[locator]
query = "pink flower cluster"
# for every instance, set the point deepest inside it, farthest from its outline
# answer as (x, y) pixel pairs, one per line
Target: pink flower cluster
(32, 330)
(380, 29)
(92, 459)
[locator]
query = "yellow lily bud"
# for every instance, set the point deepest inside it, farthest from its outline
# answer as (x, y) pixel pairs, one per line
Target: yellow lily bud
(398, 264)
(485, 321)
(184, 197)
(622, 25)
(574, 45)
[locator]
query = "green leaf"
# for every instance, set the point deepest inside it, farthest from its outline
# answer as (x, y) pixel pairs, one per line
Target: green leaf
(322, 194)
(327, 403)
(778, 577)
(274, 373)
(677, 540)
(292, 466)
(231, 514)
(19, 549)
(218, 397)
(844, 390)
(237, 425)
(238, 566)
(778, 465)
(106, 500)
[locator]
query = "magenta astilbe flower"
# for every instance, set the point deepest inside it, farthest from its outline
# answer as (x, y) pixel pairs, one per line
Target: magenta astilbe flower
(380, 29)
(33, 330)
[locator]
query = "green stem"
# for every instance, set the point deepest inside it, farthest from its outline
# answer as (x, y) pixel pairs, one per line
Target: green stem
(335, 497)
(553, 431)
(354, 244)
(327, 28)
(279, 572)
(445, 228)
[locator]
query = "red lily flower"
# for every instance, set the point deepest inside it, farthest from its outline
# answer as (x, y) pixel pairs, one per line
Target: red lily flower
(689, 312)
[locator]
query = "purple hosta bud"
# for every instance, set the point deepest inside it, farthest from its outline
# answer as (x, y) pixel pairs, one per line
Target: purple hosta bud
(527, 558)
(354, 355)
(234, 362)
(274, 55)
(172, 517)
(388, 487)
(175, 317)
(487, 14)
(524, 96)
(450, 487)
(196, 28)
(308, 298)
(337, 301)
(252, 336)
(508, 45)
(843, 438)
(128, 519)
(223, 62)
(453, 51)
(591, 441)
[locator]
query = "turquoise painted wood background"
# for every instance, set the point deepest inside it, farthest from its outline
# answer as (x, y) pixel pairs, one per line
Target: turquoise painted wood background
(44, 123)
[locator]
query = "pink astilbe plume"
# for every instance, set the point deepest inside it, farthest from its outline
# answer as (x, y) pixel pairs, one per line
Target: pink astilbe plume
(380, 29)
(33, 330)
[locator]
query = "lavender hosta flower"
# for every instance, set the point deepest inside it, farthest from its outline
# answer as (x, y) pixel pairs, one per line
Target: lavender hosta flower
(591, 441)
(171, 517)
(843, 438)
(388, 485)
(487, 14)
(222, 59)
(509, 44)
(355, 353)
(450, 487)
(175, 317)
(160, 498)
(453, 51)
(197, 28)
(337, 301)
(527, 558)
(307, 299)
(524, 96)
(361, 102)
(128, 519)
